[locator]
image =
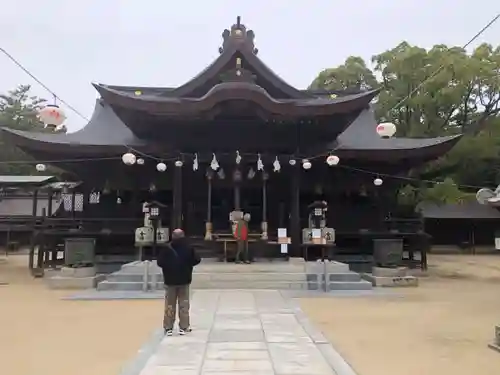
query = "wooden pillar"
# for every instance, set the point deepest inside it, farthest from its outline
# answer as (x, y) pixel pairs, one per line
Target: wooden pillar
(41, 254)
(264, 235)
(73, 200)
(237, 190)
(177, 199)
(208, 223)
(50, 202)
(295, 230)
(31, 259)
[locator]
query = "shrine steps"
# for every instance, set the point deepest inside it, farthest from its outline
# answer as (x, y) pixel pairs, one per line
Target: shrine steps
(267, 275)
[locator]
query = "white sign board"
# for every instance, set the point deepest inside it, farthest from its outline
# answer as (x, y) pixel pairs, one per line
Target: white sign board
(316, 233)
(282, 232)
(284, 248)
(143, 236)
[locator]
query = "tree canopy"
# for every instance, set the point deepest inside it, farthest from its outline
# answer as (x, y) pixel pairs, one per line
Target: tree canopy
(435, 92)
(19, 110)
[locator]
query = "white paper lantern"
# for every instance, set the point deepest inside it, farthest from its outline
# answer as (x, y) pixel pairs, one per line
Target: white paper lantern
(52, 115)
(306, 164)
(140, 161)
(128, 158)
(332, 160)
(178, 163)
(378, 181)
(161, 167)
(292, 162)
(386, 129)
(40, 167)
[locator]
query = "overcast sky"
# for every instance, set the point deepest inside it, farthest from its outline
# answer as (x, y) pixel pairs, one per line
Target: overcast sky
(69, 44)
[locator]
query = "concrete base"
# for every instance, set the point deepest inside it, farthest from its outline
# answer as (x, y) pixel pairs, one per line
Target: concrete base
(390, 277)
(496, 343)
(73, 278)
(494, 347)
(388, 282)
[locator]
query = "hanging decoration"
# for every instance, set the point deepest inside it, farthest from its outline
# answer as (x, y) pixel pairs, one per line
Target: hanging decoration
(214, 164)
(195, 162)
(251, 174)
(292, 162)
(118, 200)
(161, 167)
(40, 167)
(276, 165)
(129, 158)
(140, 161)
(179, 163)
(378, 181)
(386, 129)
(332, 160)
(94, 197)
(52, 116)
(306, 164)
(221, 174)
(260, 164)
(238, 157)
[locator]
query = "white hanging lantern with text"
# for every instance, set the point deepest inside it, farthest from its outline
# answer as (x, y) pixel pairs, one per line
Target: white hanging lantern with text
(40, 167)
(386, 129)
(378, 181)
(161, 167)
(52, 115)
(306, 164)
(332, 160)
(128, 158)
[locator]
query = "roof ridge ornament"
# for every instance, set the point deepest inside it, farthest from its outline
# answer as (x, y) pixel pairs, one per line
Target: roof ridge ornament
(238, 36)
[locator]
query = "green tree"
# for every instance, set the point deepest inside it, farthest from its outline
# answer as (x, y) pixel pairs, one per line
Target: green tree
(18, 110)
(352, 74)
(436, 92)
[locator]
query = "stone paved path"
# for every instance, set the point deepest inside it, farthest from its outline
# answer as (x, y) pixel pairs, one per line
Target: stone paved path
(245, 332)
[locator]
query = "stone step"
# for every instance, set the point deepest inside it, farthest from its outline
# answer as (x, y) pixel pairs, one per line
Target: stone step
(345, 276)
(350, 285)
(220, 267)
(225, 276)
(119, 286)
(138, 286)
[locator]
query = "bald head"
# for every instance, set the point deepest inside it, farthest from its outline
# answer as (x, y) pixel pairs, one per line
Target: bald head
(178, 233)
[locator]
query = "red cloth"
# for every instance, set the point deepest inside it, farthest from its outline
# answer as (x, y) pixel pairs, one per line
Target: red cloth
(241, 232)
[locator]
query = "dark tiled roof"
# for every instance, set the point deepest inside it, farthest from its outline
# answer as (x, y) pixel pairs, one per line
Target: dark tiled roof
(466, 210)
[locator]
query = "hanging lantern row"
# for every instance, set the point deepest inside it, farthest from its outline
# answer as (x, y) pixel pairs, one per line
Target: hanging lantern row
(130, 159)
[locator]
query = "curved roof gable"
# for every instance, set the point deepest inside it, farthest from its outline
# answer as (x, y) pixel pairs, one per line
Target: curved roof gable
(237, 55)
(360, 140)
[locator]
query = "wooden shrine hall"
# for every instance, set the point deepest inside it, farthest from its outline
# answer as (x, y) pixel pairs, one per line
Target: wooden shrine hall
(235, 137)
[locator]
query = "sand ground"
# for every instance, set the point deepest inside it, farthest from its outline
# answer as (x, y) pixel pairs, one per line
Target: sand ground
(44, 335)
(442, 327)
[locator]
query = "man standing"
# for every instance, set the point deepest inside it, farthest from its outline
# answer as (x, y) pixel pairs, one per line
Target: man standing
(241, 234)
(177, 260)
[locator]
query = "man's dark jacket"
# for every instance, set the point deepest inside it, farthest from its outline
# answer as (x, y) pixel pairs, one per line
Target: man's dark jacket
(177, 260)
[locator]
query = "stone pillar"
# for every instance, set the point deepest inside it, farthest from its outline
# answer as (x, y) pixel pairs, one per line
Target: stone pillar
(208, 223)
(295, 230)
(265, 177)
